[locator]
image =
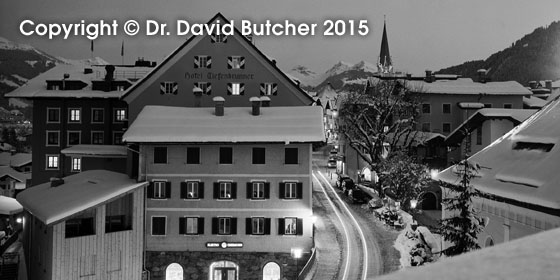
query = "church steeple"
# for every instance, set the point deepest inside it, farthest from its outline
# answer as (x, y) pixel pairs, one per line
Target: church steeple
(384, 63)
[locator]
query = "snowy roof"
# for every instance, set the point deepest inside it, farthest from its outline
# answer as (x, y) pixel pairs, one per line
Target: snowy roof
(467, 86)
(522, 165)
(8, 171)
(78, 193)
(418, 138)
(532, 257)
(516, 116)
(96, 150)
(9, 206)
(16, 160)
(533, 102)
(37, 87)
(274, 124)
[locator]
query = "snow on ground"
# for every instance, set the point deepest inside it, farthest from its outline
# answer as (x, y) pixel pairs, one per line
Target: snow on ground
(413, 242)
(8, 82)
(31, 62)
(20, 78)
(16, 102)
(361, 81)
(9, 45)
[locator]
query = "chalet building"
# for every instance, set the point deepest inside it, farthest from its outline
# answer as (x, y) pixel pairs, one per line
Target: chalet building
(484, 127)
(517, 179)
(76, 107)
(230, 188)
(88, 225)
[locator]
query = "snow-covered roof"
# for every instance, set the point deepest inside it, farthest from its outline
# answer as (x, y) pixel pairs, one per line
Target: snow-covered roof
(8, 171)
(417, 138)
(37, 87)
(274, 124)
(523, 164)
(96, 150)
(467, 86)
(516, 116)
(16, 160)
(533, 102)
(78, 193)
(532, 257)
(9, 206)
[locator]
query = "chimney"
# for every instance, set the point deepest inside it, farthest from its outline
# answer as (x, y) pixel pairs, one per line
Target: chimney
(109, 72)
(256, 104)
(219, 105)
(197, 97)
(533, 84)
(548, 84)
(482, 75)
(265, 101)
(55, 182)
(429, 78)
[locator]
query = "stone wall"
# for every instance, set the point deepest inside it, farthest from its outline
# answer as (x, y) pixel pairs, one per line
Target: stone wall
(196, 265)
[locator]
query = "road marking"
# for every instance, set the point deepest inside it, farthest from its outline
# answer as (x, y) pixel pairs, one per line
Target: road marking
(362, 236)
(345, 274)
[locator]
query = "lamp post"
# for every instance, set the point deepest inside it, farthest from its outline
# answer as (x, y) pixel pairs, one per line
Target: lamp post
(296, 254)
(413, 204)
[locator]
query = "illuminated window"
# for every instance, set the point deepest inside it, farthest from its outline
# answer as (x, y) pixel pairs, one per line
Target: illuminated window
(52, 161)
(74, 115)
(76, 164)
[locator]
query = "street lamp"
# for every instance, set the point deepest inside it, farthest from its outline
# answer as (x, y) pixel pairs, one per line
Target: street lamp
(296, 254)
(413, 204)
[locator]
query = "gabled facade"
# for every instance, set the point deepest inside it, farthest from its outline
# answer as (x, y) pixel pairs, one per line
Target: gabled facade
(210, 66)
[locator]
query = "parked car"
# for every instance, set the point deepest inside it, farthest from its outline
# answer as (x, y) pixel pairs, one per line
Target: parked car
(333, 152)
(357, 194)
(341, 178)
(331, 163)
(347, 185)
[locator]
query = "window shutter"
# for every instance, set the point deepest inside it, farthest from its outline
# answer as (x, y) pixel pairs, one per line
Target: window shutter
(229, 62)
(241, 88)
(175, 88)
(162, 88)
(150, 191)
(282, 190)
(196, 62)
(200, 189)
(209, 62)
(214, 225)
(274, 89)
(216, 190)
(299, 190)
(182, 225)
(213, 38)
(183, 189)
(233, 226)
(167, 189)
(242, 63)
(267, 190)
(263, 89)
(200, 225)
(281, 230)
(229, 89)
(299, 226)
(248, 226)
(249, 190)
(224, 40)
(208, 89)
(233, 190)
(267, 226)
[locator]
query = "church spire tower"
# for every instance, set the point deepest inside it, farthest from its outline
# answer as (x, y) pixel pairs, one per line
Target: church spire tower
(384, 63)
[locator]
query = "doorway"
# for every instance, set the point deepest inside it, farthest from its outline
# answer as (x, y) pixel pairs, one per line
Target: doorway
(224, 270)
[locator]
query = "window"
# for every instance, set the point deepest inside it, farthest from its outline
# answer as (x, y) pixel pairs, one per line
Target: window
(159, 225)
(236, 62)
(81, 225)
(290, 226)
(224, 225)
(97, 115)
(97, 137)
(446, 108)
(259, 155)
(257, 226)
(225, 190)
(118, 214)
(446, 127)
(192, 190)
(205, 87)
(236, 88)
(193, 155)
(76, 164)
(291, 156)
(119, 115)
(53, 115)
(269, 88)
(120, 88)
(426, 108)
(271, 271)
(258, 190)
(168, 88)
(508, 106)
(487, 105)
(290, 190)
(74, 138)
(117, 137)
(479, 136)
(202, 61)
(52, 162)
(226, 155)
(218, 38)
(74, 115)
(159, 190)
(191, 225)
(160, 155)
(53, 138)
(426, 127)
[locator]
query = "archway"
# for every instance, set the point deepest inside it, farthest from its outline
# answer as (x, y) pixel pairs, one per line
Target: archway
(428, 201)
(224, 270)
(489, 242)
(271, 271)
(174, 271)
